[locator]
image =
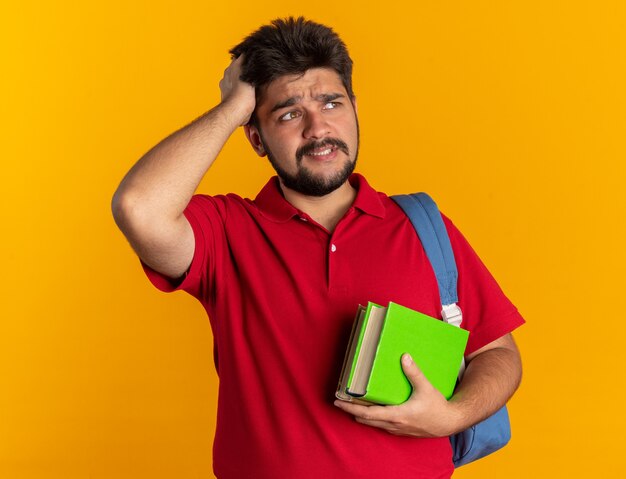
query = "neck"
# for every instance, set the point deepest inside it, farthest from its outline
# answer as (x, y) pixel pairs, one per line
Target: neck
(326, 210)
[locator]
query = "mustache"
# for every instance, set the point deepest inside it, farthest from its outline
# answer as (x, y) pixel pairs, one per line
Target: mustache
(314, 145)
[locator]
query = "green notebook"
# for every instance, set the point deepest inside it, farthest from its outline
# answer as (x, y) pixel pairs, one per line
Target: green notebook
(372, 372)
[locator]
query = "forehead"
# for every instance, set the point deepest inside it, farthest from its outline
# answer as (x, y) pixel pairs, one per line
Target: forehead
(312, 83)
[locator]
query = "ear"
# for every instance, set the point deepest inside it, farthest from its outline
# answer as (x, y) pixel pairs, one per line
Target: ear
(253, 136)
(354, 104)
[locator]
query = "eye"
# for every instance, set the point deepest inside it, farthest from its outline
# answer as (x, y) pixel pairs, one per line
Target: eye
(289, 116)
(331, 105)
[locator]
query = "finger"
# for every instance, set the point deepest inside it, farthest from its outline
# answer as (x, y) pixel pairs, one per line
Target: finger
(235, 65)
(386, 425)
(372, 413)
(238, 59)
(413, 373)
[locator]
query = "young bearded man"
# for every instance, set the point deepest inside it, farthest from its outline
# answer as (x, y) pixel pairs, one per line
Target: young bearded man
(281, 276)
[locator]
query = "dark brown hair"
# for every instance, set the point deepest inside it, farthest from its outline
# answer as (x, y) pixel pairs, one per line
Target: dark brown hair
(292, 46)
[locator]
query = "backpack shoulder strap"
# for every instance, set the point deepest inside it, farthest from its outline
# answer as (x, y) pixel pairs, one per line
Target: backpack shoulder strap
(426, 219)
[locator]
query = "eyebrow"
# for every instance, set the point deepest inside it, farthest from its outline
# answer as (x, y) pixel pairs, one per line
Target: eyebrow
(322, 98)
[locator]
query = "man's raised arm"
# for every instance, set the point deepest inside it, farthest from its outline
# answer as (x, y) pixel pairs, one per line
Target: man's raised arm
(149, 203)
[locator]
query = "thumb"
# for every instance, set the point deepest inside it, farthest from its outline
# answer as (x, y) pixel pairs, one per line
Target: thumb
(412, 371)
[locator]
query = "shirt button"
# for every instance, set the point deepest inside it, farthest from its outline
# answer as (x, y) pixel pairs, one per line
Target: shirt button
(333, 248)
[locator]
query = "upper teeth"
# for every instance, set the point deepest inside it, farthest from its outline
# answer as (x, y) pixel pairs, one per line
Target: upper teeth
(325, 152)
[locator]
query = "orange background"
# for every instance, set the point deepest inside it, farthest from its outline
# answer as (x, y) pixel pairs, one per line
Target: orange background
(511, 114)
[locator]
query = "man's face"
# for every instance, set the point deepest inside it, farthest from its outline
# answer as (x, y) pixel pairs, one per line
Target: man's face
(307, 126)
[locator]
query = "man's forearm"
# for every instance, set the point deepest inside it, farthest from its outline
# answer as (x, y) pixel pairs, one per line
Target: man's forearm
(491, 378)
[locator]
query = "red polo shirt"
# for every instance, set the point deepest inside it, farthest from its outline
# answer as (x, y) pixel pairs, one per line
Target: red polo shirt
(281, 293)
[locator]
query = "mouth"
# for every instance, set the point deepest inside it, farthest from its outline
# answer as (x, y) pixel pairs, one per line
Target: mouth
(322, 150)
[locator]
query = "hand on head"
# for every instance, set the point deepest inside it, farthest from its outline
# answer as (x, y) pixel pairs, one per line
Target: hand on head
(237, 93)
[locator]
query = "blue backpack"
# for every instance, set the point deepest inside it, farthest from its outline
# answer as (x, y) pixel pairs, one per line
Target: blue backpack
(494, 432)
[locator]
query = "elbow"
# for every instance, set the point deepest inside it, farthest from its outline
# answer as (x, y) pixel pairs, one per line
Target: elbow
(139, 216)
(124, 208)
(116, 205)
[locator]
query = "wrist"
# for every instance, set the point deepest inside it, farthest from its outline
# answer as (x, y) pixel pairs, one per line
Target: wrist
(235, 111)
(459, 419)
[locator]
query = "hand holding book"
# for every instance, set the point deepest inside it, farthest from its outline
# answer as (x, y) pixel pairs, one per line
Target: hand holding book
(399, 371)
(426, 413)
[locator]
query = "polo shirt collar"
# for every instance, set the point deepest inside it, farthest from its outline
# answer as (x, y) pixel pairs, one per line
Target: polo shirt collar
(368, 200)
(273, 205)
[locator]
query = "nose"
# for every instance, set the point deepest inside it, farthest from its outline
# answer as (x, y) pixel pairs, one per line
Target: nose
(315, 126)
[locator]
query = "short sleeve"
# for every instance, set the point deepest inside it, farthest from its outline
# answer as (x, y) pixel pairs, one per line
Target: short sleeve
(206, 217)
(487, 312)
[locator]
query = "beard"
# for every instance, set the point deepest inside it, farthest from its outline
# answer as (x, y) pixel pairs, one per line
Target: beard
(305, 181)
